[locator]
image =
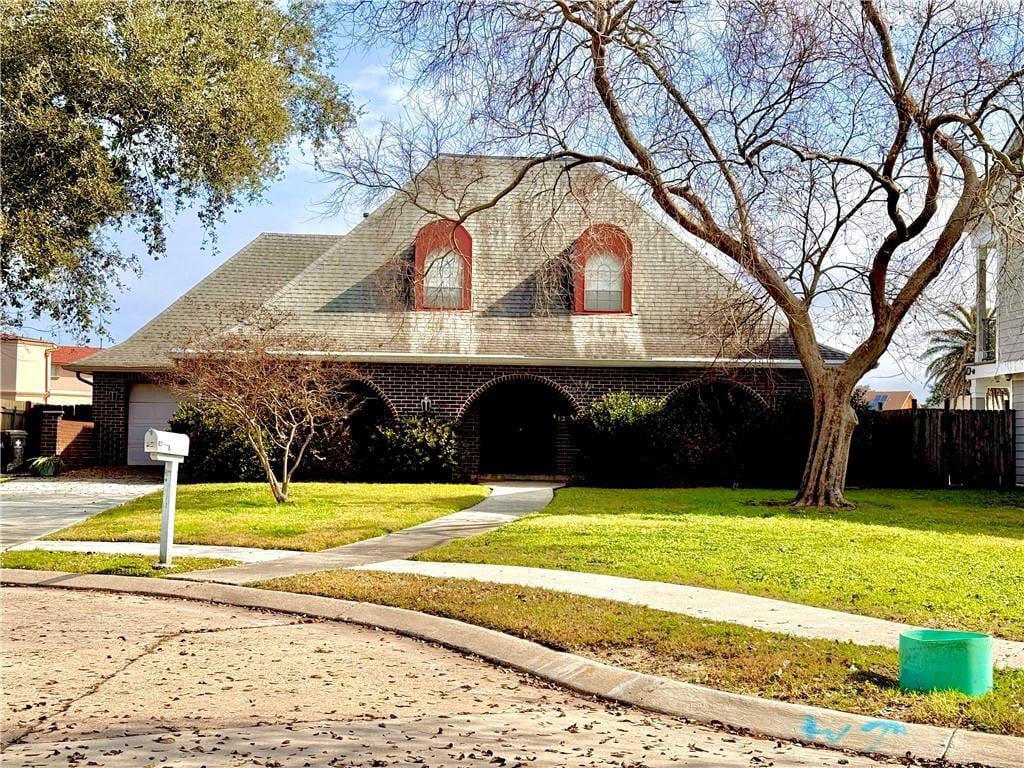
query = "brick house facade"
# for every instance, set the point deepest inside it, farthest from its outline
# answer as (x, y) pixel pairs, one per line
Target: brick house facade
(509, 321)
(452, 391)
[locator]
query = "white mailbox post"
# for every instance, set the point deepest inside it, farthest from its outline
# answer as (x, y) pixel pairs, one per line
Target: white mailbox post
(170, 448)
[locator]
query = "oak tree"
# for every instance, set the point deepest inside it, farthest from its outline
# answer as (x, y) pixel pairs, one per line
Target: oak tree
(837, 154)
(117, 112)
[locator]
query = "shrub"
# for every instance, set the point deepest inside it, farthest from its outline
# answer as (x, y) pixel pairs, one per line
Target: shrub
(711, 434)
(218, 450)
(331, 454)
(414, 449)
(622, 441)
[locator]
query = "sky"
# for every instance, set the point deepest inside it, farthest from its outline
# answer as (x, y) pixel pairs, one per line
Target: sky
(295, 204)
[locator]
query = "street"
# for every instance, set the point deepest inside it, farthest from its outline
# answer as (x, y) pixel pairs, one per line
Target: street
(117, 680)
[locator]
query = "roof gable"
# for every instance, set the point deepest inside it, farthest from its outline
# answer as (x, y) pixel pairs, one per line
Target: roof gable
(353, 290)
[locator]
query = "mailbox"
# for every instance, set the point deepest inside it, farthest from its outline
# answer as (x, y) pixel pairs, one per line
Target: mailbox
(170, 448)
(165, 446)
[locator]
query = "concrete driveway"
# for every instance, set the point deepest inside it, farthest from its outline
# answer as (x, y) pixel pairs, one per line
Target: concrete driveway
(118, 680)
(31, 507)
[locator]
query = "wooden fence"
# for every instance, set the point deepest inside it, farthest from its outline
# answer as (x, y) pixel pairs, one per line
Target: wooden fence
(938, 449)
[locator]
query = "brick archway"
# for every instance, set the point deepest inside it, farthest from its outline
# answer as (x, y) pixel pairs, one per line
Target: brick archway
(374, 387)
(705, 381)
(569, 397)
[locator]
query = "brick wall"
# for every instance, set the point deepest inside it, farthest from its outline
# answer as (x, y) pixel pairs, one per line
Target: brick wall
(46, 431)
(76, 443)
(453, 389)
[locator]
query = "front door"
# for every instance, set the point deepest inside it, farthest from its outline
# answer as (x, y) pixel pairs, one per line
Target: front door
(517, 436)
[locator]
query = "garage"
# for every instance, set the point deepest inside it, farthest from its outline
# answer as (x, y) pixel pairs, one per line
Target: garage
(149, 407)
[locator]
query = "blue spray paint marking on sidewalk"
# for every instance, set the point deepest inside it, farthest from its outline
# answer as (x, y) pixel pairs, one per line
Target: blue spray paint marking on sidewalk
(813, 731)
(884, 728)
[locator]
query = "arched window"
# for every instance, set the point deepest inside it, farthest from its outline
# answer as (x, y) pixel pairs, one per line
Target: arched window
(603, 279)
(444, 267)
(442, 280)
(603, 283)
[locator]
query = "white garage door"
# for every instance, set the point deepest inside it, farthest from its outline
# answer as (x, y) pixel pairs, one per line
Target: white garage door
(149, 407)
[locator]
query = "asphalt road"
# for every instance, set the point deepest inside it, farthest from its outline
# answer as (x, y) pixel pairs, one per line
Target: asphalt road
(116, 680)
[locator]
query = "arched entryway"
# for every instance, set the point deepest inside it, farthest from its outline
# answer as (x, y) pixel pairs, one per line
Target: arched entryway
(519, 427)
(340, 450)
(716, 428)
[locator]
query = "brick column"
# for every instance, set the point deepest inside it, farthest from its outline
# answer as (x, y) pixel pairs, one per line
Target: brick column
(49, 421)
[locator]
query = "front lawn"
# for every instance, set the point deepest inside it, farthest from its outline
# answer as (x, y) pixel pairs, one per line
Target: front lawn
(725, 656)
(111, 565)
(318, 516)
(936, 558)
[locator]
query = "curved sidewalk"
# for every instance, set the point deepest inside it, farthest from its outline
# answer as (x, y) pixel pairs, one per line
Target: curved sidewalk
(507, 501)
(712, 604)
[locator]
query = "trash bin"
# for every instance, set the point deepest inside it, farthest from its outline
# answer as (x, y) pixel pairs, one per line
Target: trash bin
(944, 660)
(12, 448)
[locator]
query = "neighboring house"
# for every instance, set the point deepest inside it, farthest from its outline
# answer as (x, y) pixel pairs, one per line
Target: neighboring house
(24, 371)
(33, 371)
(564, 290)
(997, 377)
(66, 386)
(890, 400)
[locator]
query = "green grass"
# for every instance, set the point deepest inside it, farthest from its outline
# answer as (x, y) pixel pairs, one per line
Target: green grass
(111, 565)
(318, 515)
(935, 558)
(725, 656)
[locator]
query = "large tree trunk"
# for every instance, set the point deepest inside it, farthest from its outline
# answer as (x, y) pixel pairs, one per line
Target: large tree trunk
(824, 477)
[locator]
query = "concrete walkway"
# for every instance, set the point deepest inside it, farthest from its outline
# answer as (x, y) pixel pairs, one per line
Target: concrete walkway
(31, 507)
(712, 604)
(508, 501)
(242, 554)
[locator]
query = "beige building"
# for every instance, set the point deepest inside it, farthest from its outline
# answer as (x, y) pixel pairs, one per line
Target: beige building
(32, 371)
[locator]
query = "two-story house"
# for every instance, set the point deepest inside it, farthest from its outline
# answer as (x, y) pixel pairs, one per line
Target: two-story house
(566, 288)
(34, 371)
(999, 347)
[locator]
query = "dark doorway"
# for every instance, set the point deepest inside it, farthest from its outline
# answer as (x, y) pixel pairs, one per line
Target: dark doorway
(520, 425)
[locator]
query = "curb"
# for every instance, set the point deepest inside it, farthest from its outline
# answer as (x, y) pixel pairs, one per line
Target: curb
(775, 719)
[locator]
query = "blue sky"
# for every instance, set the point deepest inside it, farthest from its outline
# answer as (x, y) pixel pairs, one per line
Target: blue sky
(295, 203)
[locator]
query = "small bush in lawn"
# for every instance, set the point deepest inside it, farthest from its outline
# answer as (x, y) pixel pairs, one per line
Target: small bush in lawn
(415, 449)
(218, 451)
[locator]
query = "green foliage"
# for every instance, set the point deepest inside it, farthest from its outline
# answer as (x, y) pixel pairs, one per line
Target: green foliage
(950, 351)
(218, 450)
(117, 112)
(415, 449)
(46, 466)
(623, 441)
(712, 433)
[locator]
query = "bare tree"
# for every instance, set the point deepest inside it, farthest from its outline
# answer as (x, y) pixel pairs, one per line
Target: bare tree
(836, 153)
(281, 389)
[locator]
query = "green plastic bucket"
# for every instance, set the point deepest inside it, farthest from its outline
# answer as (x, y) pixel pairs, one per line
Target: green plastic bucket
(945, 660)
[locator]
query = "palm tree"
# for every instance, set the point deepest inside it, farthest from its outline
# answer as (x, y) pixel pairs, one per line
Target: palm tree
(950, 352)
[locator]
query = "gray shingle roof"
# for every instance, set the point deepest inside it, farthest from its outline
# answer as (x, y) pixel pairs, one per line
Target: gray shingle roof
(250, 277)
(349, 290)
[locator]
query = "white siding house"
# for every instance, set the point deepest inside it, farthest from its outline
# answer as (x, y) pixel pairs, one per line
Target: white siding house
(999, 360)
